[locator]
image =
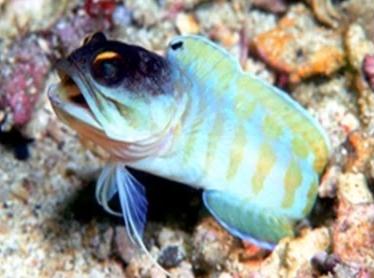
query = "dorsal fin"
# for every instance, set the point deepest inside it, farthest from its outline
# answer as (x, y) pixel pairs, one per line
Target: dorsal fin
(203, 60)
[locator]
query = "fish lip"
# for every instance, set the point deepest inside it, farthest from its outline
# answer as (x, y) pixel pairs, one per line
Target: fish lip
(69, 74)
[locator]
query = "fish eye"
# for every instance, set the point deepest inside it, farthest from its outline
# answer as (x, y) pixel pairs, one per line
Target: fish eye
(108, 68)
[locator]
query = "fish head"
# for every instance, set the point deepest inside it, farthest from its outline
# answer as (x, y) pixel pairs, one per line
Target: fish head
(116, 91)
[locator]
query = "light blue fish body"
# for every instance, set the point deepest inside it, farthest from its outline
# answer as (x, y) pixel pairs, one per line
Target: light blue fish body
(202, 121)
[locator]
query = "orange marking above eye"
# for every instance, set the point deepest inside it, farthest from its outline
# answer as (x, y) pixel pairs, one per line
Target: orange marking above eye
(107, 55)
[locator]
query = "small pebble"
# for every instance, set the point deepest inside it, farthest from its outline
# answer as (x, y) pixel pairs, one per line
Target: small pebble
(324, 262)
(122, 244)
(274, 6)
(171, 256)
(212, 244)
(187, 24)
(122, 16)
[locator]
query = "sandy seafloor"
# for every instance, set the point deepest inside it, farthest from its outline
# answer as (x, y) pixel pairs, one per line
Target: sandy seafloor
(321, 52)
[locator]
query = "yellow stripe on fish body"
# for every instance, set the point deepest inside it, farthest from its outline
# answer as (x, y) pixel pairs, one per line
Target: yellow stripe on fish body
(248, 140)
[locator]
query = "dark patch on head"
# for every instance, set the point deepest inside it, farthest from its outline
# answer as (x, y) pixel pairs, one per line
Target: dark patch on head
(115, 64)
(94, 38)
(176, 45)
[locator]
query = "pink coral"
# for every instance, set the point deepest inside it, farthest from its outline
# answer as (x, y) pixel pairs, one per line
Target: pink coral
(368, 68)
(22, 79)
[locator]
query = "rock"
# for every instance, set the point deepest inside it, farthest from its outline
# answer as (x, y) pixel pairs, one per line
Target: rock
(123, 246)
(101, 242)
(325, 12)
(358, 47)
(187, 24)
(353, 232)
(23, 16)
(299, 47)
(292, 257)
(353, 190)
(212, 245)
(274, 6)
(23, 72)
(171, 256)
(324, 262)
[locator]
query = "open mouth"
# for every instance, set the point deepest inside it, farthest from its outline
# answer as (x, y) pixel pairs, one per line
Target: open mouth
(71, 91)
(68, 99)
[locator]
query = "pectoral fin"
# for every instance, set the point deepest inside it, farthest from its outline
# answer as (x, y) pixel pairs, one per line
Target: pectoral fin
(116, 178)
(246, 220)
(133, 204)
(106, 188)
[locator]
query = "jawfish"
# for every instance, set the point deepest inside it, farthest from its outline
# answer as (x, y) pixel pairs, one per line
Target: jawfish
(195, 117)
